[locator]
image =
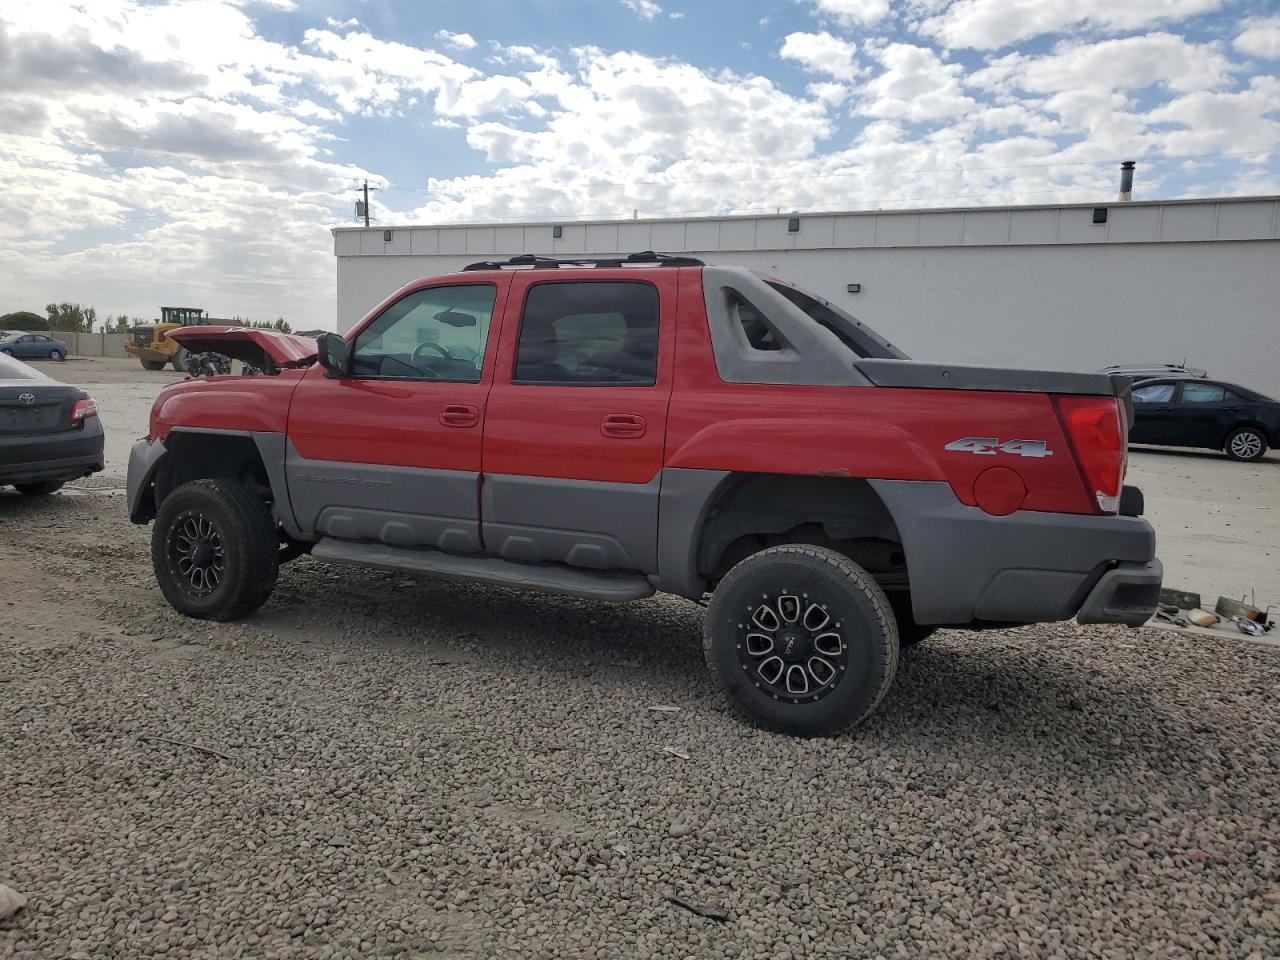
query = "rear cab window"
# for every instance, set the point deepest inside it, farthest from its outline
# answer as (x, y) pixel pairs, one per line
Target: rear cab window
(588, 333)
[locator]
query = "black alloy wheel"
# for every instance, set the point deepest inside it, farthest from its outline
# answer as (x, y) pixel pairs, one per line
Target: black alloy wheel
(215, 549)
(801, 640)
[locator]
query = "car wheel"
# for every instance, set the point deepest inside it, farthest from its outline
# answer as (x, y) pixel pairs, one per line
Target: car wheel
(153, 364)
(1245, 443)
(41, 489)
(215, 550)
(57, 355)
(7, 353)
(801, 640)
(909, 632)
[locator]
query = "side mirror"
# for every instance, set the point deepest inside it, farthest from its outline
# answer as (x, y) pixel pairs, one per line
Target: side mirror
(333, 353)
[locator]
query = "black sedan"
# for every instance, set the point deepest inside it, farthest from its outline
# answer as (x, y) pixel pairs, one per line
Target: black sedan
(1205, 413)
(49, 432)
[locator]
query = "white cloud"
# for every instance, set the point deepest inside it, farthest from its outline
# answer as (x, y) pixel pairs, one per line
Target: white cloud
(1126, 64)
(852, 13)
(821, 53)
(1260, 37)
(991, 24)
(342, 24)
(645, 9)
(459, 41)
(915, 85)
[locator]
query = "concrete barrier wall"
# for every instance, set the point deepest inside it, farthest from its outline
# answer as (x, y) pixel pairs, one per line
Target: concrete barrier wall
(93, 344)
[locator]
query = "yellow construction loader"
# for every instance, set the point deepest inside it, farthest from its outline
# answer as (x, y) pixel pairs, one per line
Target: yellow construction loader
(149, 342)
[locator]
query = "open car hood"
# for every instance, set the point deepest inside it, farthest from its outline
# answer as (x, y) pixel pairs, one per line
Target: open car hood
(247, 344)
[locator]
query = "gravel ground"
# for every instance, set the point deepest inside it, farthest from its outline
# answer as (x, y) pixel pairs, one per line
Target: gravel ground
(420, 768)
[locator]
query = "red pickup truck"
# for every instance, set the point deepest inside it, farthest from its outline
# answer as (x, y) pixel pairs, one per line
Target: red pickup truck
(612, 428)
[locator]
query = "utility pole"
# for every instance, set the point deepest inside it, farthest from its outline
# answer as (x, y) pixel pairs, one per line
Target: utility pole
(366, 202)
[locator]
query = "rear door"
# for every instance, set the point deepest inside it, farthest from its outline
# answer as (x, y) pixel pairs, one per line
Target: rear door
(392, 453)
(573, 445)
(1207, 410)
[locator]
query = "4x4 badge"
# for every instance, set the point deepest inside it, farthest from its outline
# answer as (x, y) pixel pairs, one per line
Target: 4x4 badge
(990, 446)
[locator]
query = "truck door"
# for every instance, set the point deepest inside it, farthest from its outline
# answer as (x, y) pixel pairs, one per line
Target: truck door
(576, 424)
(392, 453)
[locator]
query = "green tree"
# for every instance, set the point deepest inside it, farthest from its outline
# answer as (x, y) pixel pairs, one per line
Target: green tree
(282, 325)
(23, 320)
(74, 317)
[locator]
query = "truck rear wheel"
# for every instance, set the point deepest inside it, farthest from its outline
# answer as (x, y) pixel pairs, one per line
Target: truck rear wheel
(801, 640)
(153, 364)
(215, 550)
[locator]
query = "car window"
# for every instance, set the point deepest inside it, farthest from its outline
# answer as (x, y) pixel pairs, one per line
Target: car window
(590, 333)
(1202, 393)
(1154, 393)
(434, 334)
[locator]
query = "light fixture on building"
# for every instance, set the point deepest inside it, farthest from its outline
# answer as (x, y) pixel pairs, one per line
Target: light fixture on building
(854, 288)
(386, 236)
(793, 225)
(557, 233)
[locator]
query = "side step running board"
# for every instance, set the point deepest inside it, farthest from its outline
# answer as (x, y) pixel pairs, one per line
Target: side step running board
(547, 578)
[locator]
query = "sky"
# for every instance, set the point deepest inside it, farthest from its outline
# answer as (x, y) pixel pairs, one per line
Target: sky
(198, 152)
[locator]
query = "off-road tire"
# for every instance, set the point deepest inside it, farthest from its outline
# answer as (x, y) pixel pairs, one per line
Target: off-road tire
(249, 543)
(1247, 444)
(179, 360)
(909, 632)
(859, 611)
(41, 488)
(153, 364)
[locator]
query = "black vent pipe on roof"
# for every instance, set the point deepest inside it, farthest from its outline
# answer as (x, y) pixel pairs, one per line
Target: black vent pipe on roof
(1126, 181)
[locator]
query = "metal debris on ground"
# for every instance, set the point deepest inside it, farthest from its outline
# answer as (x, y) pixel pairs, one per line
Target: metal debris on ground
(676, 752)
(662, 708)
(719, 914)
(1164, 614)
(1182, 599)
(1229, 609)
(1250, 627)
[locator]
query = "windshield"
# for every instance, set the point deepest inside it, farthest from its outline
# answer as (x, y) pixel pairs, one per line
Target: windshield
(852, 332)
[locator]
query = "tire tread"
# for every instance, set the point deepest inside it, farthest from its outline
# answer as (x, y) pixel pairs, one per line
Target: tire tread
(250, 530)
(858, 579)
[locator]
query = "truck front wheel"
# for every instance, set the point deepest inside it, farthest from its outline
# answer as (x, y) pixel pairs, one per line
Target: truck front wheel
(215, 550)
(152, 364)
(801, 640)
(179, 360)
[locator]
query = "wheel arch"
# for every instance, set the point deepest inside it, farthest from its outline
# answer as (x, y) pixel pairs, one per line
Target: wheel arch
(1267, 435)
(253, 458)
(710, 520)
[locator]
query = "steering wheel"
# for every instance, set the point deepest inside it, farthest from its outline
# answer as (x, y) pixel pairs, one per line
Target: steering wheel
(429, 346)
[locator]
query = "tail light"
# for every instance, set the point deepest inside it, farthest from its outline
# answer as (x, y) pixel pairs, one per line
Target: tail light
(1096, 429)
(84, 409)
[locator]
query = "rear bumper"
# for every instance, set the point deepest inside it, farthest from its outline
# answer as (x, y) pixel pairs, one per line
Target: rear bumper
(967, 566)
(60, 456)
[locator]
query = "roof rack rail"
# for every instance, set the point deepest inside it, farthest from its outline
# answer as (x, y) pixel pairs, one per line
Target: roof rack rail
(534, 262)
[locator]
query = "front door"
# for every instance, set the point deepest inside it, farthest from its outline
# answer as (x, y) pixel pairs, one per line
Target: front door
(573, 445)
(1155, 419)
(392, 453)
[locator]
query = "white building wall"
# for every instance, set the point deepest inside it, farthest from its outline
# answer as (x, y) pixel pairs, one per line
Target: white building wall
(1032, 287)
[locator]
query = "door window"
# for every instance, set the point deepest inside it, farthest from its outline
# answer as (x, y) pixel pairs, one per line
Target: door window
(434, 334)
(592, 333)
(1155, 393)
(1202, 393)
